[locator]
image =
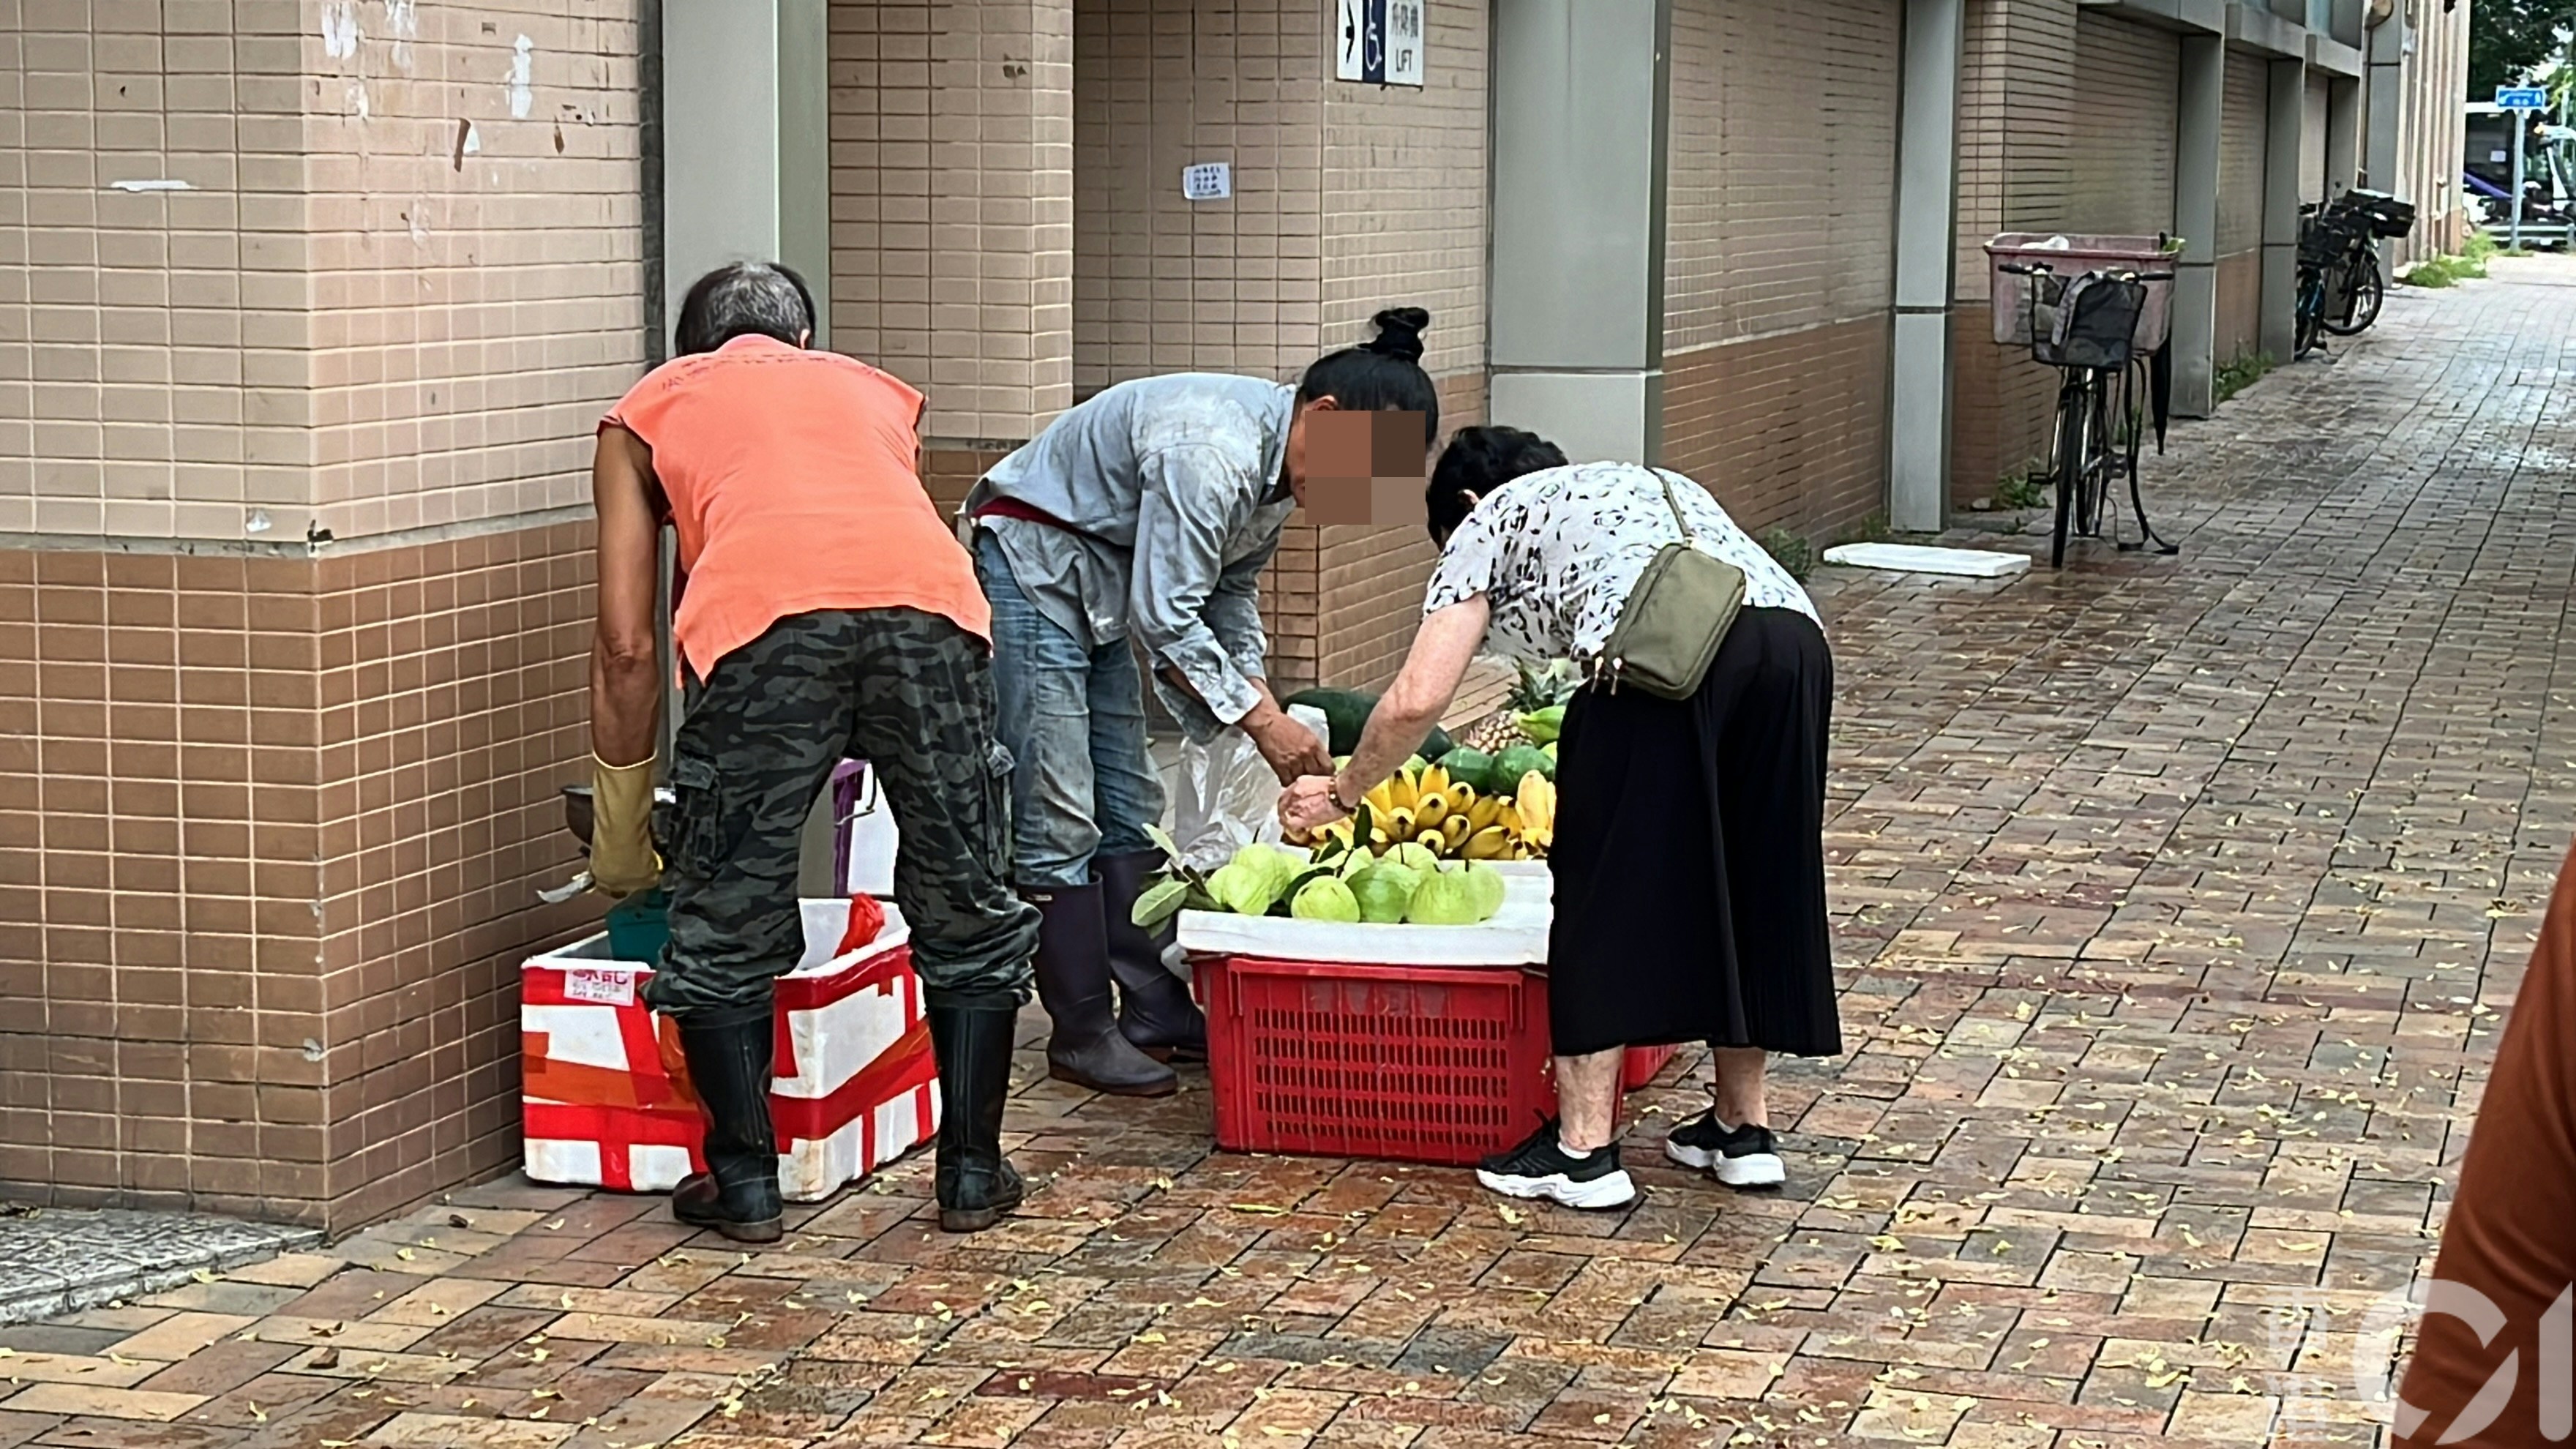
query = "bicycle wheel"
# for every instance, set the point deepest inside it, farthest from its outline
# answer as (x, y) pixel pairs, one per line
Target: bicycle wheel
(2310, 328)
(2096, 453)
(2106, 455)
(2368, 291)
(2070, 460)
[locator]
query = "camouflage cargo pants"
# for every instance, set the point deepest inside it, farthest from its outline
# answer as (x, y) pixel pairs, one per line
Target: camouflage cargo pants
(910, 692)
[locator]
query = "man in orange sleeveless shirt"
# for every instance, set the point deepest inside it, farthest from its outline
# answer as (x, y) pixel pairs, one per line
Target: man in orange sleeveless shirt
(830, 613)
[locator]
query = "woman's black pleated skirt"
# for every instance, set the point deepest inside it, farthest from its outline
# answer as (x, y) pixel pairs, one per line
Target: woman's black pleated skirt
(1690, 857)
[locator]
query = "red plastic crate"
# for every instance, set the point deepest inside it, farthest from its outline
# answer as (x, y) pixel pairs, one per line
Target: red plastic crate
(1424, 1064)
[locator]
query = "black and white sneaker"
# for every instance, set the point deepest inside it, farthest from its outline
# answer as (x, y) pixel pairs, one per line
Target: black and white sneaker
(1737, 1156)
(1541, 1168)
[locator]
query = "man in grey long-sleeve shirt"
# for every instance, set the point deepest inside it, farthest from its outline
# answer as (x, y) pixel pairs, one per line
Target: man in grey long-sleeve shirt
(1140, 520)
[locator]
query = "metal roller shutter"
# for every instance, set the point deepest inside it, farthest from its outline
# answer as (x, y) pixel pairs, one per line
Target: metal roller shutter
(2121, 147)
(2312, 141)
(2244, 131)
(1782, 187)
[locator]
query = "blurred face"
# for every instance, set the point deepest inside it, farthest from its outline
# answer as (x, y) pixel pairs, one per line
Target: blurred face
(1357, 467)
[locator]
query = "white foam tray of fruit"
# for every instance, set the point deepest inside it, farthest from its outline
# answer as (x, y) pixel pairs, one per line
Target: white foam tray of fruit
(1516, 936)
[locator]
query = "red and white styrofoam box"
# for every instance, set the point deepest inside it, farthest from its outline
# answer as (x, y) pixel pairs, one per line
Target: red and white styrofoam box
(605, 1095)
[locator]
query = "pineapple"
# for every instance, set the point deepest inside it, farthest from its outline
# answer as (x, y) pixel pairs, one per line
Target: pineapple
(1539, 688)
(1494, 733)
(1536, 689)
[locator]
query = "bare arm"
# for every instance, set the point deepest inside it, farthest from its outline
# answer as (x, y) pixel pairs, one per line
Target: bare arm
(625, 673)
(1433, 669)
(1436, 665)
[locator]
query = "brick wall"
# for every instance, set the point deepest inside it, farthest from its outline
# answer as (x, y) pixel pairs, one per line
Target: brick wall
(287, 801)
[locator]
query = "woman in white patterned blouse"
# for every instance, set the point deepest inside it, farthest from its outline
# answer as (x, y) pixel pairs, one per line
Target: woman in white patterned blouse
(1689, 854)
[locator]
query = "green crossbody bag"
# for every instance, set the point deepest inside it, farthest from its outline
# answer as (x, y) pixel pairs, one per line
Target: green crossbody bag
(1673, 621)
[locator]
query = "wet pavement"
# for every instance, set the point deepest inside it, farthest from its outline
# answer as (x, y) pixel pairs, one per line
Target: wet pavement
(2178, 900)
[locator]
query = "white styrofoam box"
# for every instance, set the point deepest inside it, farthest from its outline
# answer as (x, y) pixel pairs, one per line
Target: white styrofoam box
(1516, 936)
(864, 830)
(605, 1097)
(1915, 558)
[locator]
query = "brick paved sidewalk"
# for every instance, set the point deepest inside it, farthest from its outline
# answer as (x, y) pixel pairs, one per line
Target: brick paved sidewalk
(2179, 900)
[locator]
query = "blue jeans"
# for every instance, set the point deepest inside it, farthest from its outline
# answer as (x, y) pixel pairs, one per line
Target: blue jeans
(1073, 719)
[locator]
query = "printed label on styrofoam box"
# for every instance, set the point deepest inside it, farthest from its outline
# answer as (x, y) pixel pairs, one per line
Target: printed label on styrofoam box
(608, 988)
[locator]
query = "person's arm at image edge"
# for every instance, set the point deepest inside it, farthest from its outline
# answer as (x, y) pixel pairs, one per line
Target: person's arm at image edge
(625, 667)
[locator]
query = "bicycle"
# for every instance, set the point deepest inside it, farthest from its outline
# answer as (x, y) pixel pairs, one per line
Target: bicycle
(2086, 327)
(2328, 289)
(2341, 284)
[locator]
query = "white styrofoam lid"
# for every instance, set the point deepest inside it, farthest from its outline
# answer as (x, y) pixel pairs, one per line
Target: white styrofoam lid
(1916, 558)
(825, 919)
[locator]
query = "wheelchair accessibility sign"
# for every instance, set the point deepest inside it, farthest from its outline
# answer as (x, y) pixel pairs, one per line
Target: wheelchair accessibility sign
(1378, 42)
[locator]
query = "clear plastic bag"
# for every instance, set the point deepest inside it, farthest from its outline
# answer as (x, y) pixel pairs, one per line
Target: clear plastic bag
(1227, 796)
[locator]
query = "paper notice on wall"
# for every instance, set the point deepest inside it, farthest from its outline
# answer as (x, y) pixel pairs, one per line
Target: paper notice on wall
(1208, 181)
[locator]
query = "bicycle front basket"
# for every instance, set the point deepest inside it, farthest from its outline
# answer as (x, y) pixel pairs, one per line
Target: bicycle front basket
(2095, 322)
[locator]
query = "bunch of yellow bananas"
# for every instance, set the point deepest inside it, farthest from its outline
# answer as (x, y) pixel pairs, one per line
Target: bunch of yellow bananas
(1535, 802)
(1423, 806)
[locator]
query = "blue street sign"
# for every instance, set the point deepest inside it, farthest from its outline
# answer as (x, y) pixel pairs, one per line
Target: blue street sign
(2521, 98)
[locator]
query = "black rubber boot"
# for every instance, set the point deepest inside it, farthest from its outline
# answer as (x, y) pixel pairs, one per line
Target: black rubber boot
(729, 1060)
(1154, 1007)
(976, 1183)
(1086, 1047)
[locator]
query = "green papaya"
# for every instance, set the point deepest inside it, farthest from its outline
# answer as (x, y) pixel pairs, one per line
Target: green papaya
(1346, 712)
(1472, 768)
(1515, 766)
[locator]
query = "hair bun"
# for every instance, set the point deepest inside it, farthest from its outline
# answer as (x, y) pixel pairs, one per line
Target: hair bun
(1399, 333)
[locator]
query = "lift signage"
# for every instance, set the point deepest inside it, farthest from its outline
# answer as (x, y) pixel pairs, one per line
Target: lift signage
(1378, 42)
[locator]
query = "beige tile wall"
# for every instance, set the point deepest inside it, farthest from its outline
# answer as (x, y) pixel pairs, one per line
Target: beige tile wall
(1165, 284)
(150, 341)
(1405, 222)
(952, 204)
(2430, 134)
(278, 819)
(353, 317)
(474, 269)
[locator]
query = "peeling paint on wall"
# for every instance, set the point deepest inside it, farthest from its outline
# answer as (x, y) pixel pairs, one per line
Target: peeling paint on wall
(402, 22)
(522, 77)
(339, 29)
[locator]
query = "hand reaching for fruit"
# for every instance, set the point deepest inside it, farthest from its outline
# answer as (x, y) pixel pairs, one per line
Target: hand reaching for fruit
(1308, 804)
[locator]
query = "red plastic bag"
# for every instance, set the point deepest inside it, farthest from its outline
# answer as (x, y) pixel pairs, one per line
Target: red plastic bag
(867, 920)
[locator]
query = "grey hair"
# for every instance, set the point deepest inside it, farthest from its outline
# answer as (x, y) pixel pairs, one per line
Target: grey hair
(745, 299)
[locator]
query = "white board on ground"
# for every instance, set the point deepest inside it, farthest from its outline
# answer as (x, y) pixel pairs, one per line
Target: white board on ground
(1916, 558)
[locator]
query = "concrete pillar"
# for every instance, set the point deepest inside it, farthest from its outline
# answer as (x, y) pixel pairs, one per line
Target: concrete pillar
(1918, 463)
(2383, 117)
(745, 150)
(2343, 135)
(2199, 121)
(2288, 113)
(1578, 251)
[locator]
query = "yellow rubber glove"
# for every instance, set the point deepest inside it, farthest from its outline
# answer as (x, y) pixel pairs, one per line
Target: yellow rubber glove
(622, 859)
